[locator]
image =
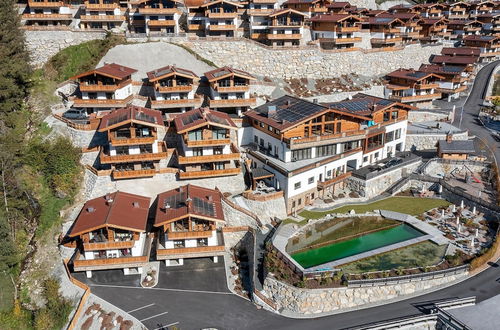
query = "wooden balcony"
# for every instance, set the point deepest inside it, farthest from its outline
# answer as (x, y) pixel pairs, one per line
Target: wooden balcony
(207, 143)
(386, 41)
(209, 174)
(347, 29)
(190, 252)
(131, 141)
(103, 103)
(228, 89)
(102, 18)
(283, 36)
(227, 27)
(158, 11)
(103, 88)
(161, 23)
(133, 174)
(107, 159)
(108, 245)
(332, 181)
(340, 41)
(47, 4)
(101, 6)
(259, 12)
(174, 89)
(165, 104)
(47, 17)
(258, 35)
(458, 15)
(452, 91)
(223, 15)
(427, 86)
(189, 234)
(196, 27)
(208, 158)
(232, 103)
(80, 264)
(490, 54)
(414, 34)
(416, 98)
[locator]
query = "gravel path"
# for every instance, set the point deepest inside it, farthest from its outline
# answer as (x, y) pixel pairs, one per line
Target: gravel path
(146, 57)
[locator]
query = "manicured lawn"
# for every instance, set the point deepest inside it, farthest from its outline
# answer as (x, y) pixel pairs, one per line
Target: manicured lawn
(418, 255)
(408, 205)
(298, 223)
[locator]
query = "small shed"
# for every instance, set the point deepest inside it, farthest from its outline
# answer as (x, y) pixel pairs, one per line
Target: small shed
(459, 149)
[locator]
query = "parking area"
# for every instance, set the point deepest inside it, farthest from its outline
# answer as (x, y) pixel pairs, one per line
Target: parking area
(157, 307)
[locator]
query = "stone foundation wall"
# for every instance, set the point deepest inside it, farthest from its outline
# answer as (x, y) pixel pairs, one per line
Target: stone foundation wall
(271, 208)
(296, 301)
(429, 141)
(235, 218)
(310, 63)
(376, 186)
(44, 44)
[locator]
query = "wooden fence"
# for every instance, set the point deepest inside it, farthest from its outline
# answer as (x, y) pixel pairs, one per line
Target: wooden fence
(83, 299)
(91, 126)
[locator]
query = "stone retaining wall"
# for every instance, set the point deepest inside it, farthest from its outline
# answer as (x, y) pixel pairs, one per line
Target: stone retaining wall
(419, 116)
(309, 63)
(303, 302)
(44, 44)
(429, 141)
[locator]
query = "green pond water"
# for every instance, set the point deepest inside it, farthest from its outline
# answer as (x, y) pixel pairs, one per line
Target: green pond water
(356, 245)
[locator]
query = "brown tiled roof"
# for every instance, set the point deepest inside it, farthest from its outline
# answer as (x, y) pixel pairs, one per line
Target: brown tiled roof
(338, 4)
(158, 73)
(131, 113)
(112, 70)
(459, 60)
(461, 51)
(479, 38)
(402, 16)
(375, 12)
(186, 201)
(364, 105)
(379, 20)
(194, 3)
(462, 22)
(217, 73)
(200, 117)
(332, 18)
(432, 21)
(119, 210)
(442, 69)
(301, 1)
(409, 74)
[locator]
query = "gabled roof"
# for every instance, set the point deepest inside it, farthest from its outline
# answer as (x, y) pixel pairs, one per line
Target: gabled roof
(411, 74)
(197, 118)
(375, 12)
(461, 51)
(432, 21)
(211, 3)
(278, 12)
(463, 22)
(339, 4)
(112, 70)
(461, 146)
(459, 60)
(462, 3)
(118, 210)
(480, 38)
(442, 69)
(380, 20)
(193, 3)
(131, 114)
(286, 112)
(402, 16)
(363, 105)
(227, 72)
(303, 1)
(168, 71)
(188, 200)
(334, 18)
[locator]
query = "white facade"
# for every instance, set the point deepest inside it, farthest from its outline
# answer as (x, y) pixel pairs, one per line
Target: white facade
(136, 250)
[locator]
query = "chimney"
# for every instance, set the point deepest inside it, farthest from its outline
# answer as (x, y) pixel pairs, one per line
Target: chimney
(135, 205)
(288, 103)
(90, 209)
(449, 137)
(271, 110)
(109, 199)
(315, 101)
(350, 97)
(181, 190)
(210, 198)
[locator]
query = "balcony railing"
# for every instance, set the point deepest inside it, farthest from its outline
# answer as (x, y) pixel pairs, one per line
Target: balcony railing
(329, 182)
(207, 143)
(108, 245)
(107, 262)
(51, 17)
(208, 158)
(150, 156)
(345, 29)
(258, 35)
(77, 102)
(222, 15)
(48, 4)
(133, 174)
(158, 104)
(172, 89)
(452, 90)
(84, 87)
(340, 41)
(105, 18)
(158, 11)
(131, 141)
(227, 27)
(415, 97)
(161, 22)
(101, 6)
(427, 86)
(189, 234)
(228, 89)
(233, 102)
(386, 40)
(259, 12)
(190, 250)
(195, 27)
(283, 36)
(209, 173)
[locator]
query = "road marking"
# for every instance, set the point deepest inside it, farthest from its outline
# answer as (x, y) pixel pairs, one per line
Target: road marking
(162, 289)
(152, 317)
(166, 326)
(134, 310)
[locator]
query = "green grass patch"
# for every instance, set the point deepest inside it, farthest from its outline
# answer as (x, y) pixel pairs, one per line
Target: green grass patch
(298, 223)
(80, 58)
(7, 293)
(408, 205)
(422, 254)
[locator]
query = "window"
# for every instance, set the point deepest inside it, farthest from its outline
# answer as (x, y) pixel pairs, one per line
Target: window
(256, 139)
(219, 166)
(376, 154)
(218, 134)
(197, 151)
(301, 154)
(179, 244)
(310, 180)
(195, 135)
(218, 150)
(261, 125)
(300, 201)
(389, 136)
(202, 242)
(398, 134)
(269, 147)
(269, 128)
(326, 150)
(296, 185)
(261, 142)
(329, 174)
(365, 159)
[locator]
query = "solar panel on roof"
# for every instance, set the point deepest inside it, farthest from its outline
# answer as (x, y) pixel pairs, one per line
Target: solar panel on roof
(203, 207)
(145, 117)
(114, 120)
(191, 118)
(184, 72)
(217, 119)
(220, 73)
(175, 201)
(162, 72)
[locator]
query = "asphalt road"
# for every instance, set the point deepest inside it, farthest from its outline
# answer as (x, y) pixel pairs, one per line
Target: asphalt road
(201, 303)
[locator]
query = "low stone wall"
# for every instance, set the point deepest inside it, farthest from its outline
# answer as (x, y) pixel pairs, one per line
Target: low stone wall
(303, 302)
(429, 141)
(42, 45)
(374, 187)
(310, 62)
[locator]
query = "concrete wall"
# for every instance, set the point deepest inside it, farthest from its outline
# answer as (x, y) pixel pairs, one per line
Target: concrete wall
(44, 44)
(296, 301)
(310, 63)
